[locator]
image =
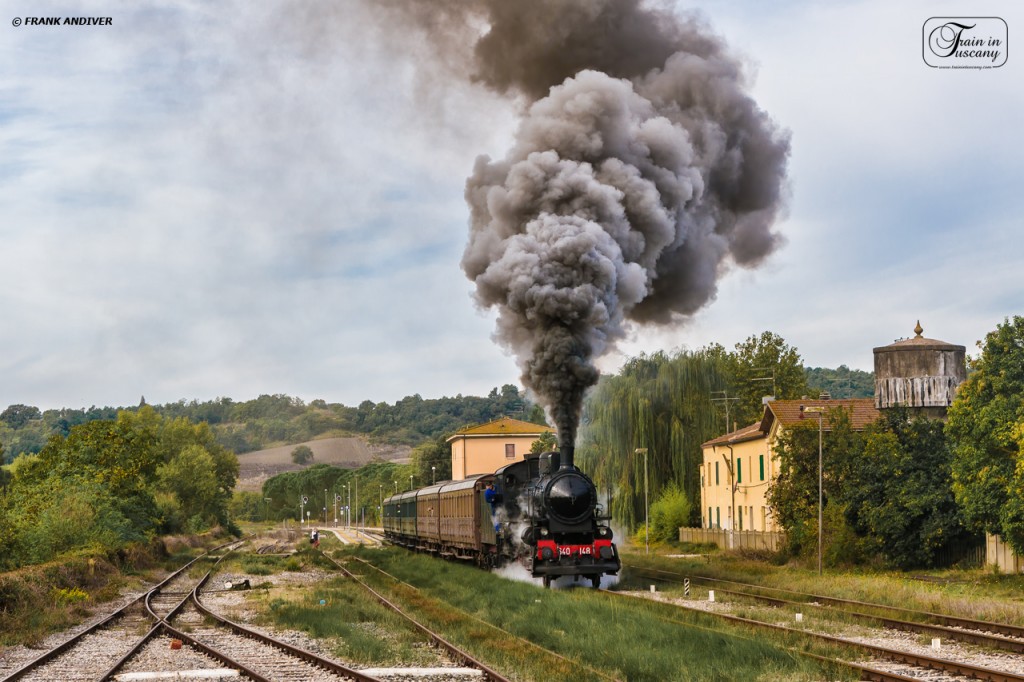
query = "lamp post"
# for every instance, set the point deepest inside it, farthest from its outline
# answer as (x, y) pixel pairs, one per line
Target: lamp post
(267, 508)
(410, 481)
(396, 487)
(820, 411)
(348, 507)
(647, 525)
(337, 497)
(433, 475)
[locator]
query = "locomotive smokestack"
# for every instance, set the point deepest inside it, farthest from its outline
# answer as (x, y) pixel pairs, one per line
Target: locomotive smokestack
(566, 452)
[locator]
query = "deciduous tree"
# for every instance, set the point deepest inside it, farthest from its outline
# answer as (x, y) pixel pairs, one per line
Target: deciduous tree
(986, 424)
(302, 454)
(898, 494)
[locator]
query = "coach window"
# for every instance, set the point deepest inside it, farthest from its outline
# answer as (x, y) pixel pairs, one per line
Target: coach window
(510, 451)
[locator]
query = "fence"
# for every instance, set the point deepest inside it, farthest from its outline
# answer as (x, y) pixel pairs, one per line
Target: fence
(733, 539)
(999, 553)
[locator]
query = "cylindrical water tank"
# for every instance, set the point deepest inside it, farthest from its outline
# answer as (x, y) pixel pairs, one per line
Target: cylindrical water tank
(920, 374)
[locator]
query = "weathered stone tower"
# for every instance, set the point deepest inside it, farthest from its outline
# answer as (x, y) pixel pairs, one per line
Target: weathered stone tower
(920, 374)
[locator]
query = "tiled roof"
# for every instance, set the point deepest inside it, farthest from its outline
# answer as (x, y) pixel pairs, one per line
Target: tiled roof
(505, 425)
(861, 410)
(751, 432)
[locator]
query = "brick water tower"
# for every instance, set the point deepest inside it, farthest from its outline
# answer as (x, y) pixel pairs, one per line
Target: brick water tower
(920, 374)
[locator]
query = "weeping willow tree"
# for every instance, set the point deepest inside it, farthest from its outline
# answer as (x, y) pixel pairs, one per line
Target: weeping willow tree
(659, 402)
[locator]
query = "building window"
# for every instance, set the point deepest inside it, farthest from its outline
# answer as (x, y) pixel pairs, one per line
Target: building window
(761, 459)
(510, 451)
(739, 516)
(718, 517)
(739, 470)
(716, 473)
(751, 517)
(709, 518)
(764, 521)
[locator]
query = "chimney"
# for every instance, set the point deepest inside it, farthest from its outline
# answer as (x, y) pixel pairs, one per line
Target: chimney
(566, 452)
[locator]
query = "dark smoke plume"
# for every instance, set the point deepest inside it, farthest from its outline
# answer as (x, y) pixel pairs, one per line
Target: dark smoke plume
(640, 172)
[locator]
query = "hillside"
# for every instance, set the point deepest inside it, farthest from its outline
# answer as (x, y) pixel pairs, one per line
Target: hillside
(351, 453)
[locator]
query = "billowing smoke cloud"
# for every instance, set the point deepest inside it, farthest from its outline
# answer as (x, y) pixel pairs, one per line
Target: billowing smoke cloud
(641, 171)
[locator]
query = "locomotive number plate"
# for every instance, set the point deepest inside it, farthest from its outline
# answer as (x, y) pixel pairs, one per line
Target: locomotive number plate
(569, 550)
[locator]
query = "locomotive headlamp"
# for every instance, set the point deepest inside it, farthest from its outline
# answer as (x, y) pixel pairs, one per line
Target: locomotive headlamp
(544, 532)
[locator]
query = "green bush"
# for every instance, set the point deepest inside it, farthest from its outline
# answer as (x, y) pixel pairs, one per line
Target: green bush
(669, 513)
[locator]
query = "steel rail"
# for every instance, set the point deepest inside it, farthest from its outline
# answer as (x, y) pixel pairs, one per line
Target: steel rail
(955, 634)
(164, 628)
(938, 618)
(64, 646)
(918, 660)
(526, 642)
(457, 653)
(290, 649)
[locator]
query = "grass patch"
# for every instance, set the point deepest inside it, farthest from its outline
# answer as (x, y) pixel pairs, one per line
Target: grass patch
(363, 631)
(629, 640)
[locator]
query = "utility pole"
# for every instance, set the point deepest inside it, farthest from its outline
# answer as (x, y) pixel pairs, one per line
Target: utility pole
(820, 411)
(732, 489)
(647, 524)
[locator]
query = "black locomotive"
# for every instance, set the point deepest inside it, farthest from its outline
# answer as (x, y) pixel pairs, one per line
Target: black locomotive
(541, 512)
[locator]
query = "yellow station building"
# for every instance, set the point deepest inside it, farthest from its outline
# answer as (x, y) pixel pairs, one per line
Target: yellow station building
(738, 468)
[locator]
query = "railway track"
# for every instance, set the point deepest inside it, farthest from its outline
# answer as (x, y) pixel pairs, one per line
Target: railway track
(954, 628)
(258, 656)
(525, 643)
(98, 649)
(139, 636)
(915, 661)
(455, 652)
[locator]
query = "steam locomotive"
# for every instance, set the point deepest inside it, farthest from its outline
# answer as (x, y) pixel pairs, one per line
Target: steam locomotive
(541, 512)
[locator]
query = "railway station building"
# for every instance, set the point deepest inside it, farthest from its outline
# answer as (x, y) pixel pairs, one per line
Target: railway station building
(486, 448)
(738, 467)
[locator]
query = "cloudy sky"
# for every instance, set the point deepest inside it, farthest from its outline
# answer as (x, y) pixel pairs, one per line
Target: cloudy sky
(231, 198)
